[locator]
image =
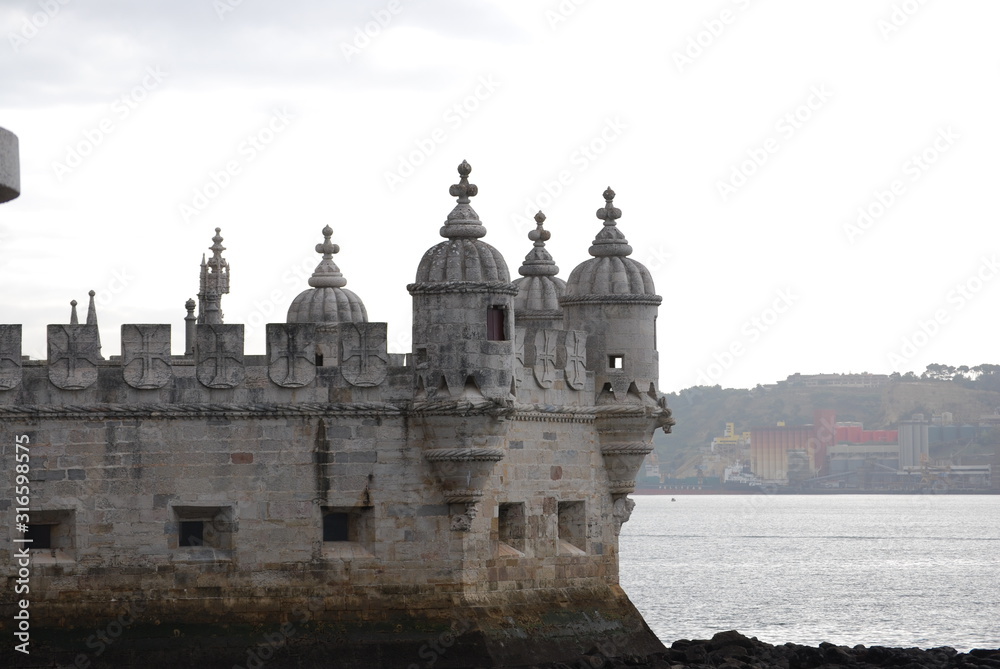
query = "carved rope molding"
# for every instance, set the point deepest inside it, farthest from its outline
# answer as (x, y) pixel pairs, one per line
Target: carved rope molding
(418, 408)
(654, 300)
(427, 288)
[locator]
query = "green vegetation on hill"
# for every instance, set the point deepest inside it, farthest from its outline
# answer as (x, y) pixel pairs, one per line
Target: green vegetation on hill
(702, 412)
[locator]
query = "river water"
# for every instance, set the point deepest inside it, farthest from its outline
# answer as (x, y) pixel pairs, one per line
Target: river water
(891, 570)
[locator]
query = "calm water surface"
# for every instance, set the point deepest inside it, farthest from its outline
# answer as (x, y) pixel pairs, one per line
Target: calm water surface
(894, 570)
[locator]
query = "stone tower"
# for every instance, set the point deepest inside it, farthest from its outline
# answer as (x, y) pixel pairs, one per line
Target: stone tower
(611, 296)
(463, 316)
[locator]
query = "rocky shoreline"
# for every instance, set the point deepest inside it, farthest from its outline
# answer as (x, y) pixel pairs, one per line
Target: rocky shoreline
(732, 650)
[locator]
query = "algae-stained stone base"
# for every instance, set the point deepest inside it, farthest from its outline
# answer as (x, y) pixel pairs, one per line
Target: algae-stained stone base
(519, 630)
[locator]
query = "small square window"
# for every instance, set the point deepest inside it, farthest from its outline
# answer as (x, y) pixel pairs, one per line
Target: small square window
(40, 536)
(337, 526)
(616, 362)
(347, 532)
(192, 533)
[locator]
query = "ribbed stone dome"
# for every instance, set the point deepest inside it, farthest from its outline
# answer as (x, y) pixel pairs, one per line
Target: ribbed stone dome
(463, 257)
(327, 305)
(327, 301)
(539, 289)
(462, 260)
(610, 271)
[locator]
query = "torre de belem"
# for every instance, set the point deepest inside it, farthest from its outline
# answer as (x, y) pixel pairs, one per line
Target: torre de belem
(331, 504)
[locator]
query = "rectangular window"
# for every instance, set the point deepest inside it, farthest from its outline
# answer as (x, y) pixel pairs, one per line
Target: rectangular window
(208, 527)
(495, 323)
(510, 527)
(53, 535)
(572, 528)
(616, 362)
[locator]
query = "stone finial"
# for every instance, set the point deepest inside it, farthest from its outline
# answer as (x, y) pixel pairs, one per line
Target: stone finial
(217, 248)
(609, 213)
(190, 305)
(92, 319)
(463, 221)
(327, 274)
(538, 262)
(610, 241)
(463, 190)
(73, 320)
(91, 310)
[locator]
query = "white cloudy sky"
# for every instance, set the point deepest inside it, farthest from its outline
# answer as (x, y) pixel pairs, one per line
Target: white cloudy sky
(125, 110)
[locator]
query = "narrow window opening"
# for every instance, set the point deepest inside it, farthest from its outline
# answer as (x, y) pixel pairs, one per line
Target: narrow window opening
(572, 528)
(337, 526)
(510, 525)
(421, 356)
(319, 359)
(40, 536)
(616, 361)
(192, 533)
(495, 323)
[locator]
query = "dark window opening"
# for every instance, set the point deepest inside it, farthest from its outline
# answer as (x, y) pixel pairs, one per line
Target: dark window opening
(573, 526)
(319, 359)
(192, 533)
(495, 322)
(336, 526)
(510, 525)
(40, 536)
(421, 356)
(616, 361)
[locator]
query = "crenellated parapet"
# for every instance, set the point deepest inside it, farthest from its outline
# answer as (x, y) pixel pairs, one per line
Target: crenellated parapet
(355, 357)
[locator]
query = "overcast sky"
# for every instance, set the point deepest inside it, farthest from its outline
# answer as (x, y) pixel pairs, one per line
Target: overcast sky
(742, 137)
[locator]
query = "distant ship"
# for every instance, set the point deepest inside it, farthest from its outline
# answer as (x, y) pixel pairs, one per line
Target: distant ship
(735, 480)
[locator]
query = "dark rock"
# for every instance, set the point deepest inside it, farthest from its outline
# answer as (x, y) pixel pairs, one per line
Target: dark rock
(730, 638)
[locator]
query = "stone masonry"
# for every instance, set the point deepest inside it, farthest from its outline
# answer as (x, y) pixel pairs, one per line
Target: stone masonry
(330, 503)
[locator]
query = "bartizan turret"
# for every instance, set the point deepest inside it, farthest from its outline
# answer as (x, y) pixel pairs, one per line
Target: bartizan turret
(463, 316)
(611, 296)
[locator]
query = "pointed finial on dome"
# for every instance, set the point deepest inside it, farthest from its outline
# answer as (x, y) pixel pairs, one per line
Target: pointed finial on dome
(610, 241)
(538, 262)
(327, 274)
(73, 320)
(463, 190)
(609, 213)
(463, 221)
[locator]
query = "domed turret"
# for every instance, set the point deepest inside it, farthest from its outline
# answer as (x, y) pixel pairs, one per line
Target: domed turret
(463, 319)
(538, 291)
(612, 297)
(327, 301)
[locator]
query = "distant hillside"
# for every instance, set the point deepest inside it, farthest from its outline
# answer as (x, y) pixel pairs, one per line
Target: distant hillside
(702, 412)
